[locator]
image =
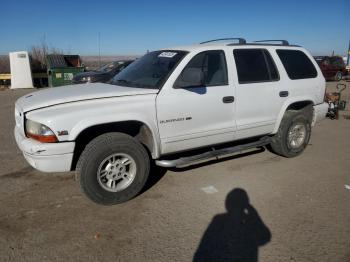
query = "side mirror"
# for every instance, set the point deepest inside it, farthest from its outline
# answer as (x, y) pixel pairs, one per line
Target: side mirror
(190, 77)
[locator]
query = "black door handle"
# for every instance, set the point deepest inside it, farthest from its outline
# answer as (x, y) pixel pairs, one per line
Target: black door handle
(284, 93)
(228, 99)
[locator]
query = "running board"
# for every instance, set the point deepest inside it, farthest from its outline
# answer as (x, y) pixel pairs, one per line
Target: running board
(184, 161)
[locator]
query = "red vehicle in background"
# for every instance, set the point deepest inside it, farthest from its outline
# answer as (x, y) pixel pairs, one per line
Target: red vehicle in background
(332, 67)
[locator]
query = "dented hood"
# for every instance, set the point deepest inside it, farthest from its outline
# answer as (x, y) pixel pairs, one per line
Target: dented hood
(74, 93)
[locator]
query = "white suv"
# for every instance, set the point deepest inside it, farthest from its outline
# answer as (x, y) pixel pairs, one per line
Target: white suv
(170, 101)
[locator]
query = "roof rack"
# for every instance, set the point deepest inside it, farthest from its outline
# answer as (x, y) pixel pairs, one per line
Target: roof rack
(241, 41)
(283, 42)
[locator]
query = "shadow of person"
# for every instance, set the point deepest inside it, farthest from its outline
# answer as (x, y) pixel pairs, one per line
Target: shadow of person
(235, 235)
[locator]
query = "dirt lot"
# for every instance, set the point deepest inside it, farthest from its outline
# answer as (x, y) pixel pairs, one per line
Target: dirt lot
(299, 208)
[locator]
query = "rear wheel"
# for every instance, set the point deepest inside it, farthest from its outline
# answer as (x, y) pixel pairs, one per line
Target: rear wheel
(293, 134)
(113, 168)
(338, 76)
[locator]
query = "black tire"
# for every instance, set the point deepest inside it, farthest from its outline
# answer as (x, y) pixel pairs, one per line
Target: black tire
(338, 76)
(96, 152)
(280, 142)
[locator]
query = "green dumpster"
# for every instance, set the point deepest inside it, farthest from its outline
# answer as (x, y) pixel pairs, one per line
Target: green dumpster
(62, 68)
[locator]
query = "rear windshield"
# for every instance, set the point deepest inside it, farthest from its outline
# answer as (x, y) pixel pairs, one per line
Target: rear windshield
(109, 67)
(297, 64)
(151, 70)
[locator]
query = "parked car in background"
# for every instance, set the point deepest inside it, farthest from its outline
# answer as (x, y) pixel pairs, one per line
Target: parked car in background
(332, 67)
(103, 74)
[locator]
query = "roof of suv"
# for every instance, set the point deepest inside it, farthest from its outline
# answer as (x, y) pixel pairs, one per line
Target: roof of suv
(228, 42)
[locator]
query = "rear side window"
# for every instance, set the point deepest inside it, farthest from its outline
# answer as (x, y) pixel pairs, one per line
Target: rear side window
(337, 61)
(255, 65)
(297, 64)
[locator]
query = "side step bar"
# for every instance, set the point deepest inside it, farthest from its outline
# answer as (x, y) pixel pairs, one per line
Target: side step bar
(184, 161)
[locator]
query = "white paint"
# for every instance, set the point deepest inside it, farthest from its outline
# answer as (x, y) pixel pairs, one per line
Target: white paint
(73, 93)
(209, 189)
(347, 187)
(178, 119)
(21, 74)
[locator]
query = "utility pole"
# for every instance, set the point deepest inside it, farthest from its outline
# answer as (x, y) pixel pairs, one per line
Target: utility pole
(99, 50)
(348, 61)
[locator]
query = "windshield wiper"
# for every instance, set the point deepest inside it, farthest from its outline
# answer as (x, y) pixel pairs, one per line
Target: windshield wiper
(132, 84)
(124, 81)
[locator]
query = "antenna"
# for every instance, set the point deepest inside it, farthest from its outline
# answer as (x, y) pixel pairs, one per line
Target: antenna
(99, 49)
(348, 60)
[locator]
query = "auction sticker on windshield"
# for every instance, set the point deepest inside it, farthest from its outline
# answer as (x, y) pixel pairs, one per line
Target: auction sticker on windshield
(167, 54)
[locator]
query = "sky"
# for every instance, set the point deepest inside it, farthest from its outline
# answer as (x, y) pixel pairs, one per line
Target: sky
(132, 27)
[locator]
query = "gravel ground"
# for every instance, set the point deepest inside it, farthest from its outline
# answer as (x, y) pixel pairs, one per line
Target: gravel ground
(298, 209)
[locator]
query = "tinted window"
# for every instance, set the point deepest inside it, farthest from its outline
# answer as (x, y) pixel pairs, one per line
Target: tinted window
(254, 65)
(213, 66)
(337, 61)
(297, 64)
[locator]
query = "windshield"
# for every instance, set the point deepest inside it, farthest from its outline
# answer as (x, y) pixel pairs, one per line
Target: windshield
(150, 71)
(108, 67)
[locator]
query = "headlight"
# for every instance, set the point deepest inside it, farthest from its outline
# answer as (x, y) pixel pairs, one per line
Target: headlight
(40, 132)
(86, 79)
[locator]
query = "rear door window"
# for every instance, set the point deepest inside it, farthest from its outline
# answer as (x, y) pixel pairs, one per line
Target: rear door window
(255, 65)
(297, 64)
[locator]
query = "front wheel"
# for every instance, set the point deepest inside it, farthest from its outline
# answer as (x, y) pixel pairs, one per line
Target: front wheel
(113, 168)
(293, 134)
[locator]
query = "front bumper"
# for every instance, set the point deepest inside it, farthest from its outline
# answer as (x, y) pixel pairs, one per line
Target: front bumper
(46, 157)
(320, 112)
